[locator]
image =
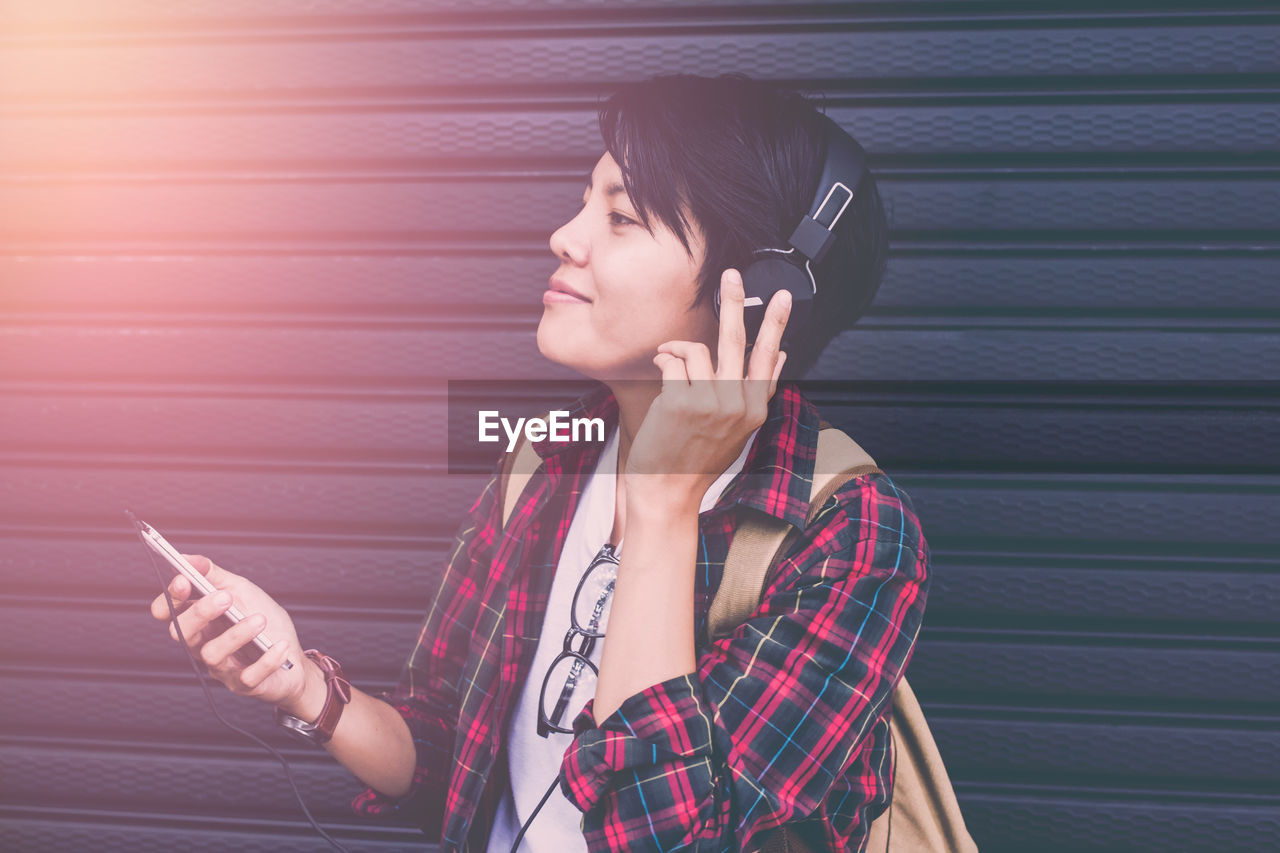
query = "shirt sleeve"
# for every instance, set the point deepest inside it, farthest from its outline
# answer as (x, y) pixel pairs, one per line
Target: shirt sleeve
(778, 710)
(426, 695)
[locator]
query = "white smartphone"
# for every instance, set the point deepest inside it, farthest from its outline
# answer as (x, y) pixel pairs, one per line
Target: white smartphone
(246, 654)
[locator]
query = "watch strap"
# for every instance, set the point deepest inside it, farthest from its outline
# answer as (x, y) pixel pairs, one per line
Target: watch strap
(337, 697)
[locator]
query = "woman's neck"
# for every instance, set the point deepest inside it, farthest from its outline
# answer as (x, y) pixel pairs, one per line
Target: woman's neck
(634, 399)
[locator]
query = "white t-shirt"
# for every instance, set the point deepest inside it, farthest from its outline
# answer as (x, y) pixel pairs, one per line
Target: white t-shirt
(535, 761)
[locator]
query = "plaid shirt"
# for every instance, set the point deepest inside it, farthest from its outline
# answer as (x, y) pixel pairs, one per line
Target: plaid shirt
(783, 720)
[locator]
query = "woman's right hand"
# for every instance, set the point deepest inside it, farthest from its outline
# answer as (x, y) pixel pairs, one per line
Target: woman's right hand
(263, 679)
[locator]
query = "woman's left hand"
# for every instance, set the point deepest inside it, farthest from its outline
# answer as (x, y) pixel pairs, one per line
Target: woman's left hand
(703, 416)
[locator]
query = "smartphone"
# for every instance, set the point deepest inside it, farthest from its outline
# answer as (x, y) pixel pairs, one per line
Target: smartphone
(246, 654)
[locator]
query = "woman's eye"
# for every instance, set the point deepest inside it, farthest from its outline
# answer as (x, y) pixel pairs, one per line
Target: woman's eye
(619, 219)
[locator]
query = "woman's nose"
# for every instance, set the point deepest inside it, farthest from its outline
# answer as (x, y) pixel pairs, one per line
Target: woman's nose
(568, 244)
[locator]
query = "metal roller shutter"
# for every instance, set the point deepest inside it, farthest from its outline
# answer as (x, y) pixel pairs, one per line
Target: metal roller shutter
(244, 243)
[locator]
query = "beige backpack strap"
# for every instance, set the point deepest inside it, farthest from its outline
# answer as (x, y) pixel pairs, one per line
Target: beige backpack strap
(517, 469)
(758, 539)
(928, 817)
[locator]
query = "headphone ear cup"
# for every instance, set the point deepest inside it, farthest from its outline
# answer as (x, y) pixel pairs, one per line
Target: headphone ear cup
(762, 279)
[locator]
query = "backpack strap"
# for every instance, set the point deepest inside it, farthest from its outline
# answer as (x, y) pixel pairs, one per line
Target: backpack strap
(759, 538)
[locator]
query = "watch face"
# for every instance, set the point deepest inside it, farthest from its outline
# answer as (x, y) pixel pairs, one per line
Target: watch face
(298, 728)
(301, 735)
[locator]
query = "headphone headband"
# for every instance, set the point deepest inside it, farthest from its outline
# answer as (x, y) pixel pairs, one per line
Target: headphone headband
(843, 166)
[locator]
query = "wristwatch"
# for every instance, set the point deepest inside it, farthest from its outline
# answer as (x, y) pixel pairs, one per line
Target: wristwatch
(337, 698)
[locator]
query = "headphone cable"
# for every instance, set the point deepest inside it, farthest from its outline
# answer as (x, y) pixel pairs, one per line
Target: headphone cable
(525, 828)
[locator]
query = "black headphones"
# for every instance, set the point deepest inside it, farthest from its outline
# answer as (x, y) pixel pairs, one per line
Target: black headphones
(844, 165)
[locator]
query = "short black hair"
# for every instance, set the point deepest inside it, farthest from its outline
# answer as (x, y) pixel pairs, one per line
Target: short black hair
(744, 157)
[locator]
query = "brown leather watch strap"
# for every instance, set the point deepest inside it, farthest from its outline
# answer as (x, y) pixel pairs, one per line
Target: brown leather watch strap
(337, 697)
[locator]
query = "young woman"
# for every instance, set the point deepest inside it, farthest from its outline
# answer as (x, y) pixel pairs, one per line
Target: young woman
(678, 742)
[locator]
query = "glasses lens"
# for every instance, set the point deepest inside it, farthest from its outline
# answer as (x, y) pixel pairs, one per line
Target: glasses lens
(569, 685)
(595, 594)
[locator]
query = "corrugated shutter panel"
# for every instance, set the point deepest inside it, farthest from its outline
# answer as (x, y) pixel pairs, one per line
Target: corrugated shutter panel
(243, 243)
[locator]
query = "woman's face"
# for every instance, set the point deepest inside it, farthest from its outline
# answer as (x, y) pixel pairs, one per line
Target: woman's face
(636, 287)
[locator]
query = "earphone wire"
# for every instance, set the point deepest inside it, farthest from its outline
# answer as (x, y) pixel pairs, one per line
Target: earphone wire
(209, 696)
(554, 784)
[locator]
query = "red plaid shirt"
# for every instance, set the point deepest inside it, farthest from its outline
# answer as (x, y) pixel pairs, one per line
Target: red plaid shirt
(783, 720)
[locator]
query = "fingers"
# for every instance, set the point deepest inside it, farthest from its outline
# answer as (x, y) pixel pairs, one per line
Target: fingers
(215, 574)
(695, 356)
(197, 617)
(216, 652)
(777, 372)
(673, 369)
(257, 672)
(764, 354)
(684, 362)
(179, 590)
(766, 361)
(732, 343)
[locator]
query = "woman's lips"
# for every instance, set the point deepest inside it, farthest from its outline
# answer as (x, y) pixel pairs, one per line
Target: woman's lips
(550, 296)
(559, 285)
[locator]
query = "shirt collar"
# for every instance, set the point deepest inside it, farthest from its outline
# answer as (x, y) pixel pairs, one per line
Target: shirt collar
(778, 472)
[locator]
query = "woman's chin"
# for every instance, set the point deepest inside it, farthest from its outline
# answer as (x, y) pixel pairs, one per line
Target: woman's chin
(554, 349)
(547, 343)
(583, 358)
(581, 367)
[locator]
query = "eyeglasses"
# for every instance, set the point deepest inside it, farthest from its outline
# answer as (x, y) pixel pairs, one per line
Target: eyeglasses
(590, 604)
